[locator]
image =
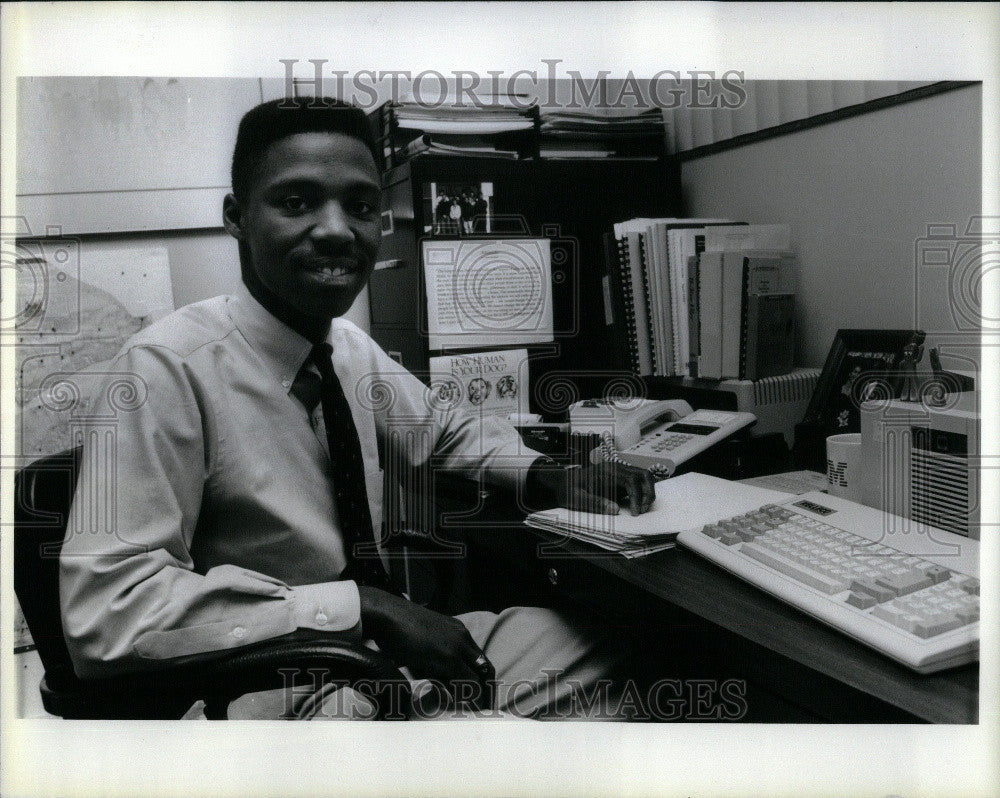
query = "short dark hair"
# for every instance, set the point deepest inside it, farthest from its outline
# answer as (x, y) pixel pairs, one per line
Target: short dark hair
(274, 120)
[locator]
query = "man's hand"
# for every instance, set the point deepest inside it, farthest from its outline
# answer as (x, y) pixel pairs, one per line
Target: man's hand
(602, 488)
(431, 645)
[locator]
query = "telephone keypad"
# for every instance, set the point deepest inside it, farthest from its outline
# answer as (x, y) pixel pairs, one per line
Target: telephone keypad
(709, 417)
(666, 441)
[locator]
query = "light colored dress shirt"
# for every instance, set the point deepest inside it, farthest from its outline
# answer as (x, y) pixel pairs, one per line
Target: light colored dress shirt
(208, 522)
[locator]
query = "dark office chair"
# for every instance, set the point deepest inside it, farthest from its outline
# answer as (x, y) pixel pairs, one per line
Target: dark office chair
(43, 495)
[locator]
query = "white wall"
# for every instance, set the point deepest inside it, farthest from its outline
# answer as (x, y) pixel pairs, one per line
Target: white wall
(203, 264)
(859, 194)
(133, 162)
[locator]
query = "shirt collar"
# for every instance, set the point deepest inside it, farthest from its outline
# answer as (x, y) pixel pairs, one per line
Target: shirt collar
(282, 349)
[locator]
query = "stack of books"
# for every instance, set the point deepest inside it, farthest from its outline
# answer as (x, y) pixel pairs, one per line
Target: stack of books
(601, 133)
(702, 297)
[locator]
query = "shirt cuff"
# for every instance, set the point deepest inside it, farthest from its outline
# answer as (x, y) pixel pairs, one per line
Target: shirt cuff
(512, 475)
(327, 606)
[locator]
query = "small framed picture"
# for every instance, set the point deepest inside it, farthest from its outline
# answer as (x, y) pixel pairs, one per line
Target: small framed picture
(859, 362)
(458, 209)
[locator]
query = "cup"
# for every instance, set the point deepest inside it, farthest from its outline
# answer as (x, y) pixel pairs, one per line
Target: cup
(843, 466)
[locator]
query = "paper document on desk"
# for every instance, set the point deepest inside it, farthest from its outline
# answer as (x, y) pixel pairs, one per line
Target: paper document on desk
(685, 502)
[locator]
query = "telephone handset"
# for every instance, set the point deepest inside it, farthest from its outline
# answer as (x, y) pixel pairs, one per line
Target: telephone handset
(658, 435)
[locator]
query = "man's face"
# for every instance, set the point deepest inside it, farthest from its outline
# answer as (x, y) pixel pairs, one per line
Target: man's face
(311, 222)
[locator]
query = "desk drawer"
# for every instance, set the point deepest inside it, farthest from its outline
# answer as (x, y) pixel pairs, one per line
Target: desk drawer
(534, 572)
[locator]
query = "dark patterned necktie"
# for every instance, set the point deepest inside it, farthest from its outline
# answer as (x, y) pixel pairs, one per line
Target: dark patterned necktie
(350, 493)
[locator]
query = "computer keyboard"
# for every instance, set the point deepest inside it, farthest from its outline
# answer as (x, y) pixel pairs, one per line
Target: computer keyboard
(908, 591)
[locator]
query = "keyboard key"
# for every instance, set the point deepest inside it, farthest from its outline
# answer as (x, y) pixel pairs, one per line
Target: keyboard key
(898, 617)
(937, 624)
(968, 614)
(889, 612)
(793, 569)
(730, 538)
(908, 582)
(937, 573)
(712, 530)
(971, 586)
(861, 600)
(866, 585)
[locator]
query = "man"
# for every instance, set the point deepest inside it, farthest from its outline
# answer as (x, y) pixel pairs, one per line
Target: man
(441, 219)
(250, 473)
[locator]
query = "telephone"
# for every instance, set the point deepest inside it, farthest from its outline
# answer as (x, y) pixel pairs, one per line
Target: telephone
(650, 434)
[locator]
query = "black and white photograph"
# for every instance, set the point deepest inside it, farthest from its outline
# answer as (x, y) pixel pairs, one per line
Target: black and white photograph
(459, 210)
(711, 508)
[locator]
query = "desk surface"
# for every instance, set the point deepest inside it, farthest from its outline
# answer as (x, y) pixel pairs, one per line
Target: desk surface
(834, 677)
(820, 658)
(700, 587)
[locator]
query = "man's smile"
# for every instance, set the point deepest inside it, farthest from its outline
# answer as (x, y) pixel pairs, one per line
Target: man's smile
(329, 269)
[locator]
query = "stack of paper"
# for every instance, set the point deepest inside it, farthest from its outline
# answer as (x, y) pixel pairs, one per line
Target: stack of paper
(467, 146)
(495, 114)
(689, 501)
(601, 132)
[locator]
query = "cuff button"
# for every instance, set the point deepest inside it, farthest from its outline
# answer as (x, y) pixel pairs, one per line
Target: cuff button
(322, 618)
(239, 632)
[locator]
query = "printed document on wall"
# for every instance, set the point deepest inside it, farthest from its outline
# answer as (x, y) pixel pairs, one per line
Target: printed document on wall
(483, 293)
(487, 383)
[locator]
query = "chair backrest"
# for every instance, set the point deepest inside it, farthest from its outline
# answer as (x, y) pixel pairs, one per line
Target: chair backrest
(43, 495)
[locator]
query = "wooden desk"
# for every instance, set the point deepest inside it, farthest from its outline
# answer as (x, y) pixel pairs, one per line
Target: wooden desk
(819, 674)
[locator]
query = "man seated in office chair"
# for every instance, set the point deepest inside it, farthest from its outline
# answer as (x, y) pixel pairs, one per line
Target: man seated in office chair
(251, 472)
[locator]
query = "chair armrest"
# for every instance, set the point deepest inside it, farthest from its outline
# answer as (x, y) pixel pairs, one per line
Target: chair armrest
(283, 662)
(305, 663)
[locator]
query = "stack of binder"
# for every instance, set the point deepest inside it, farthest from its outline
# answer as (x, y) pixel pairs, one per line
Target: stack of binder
(745, 284)
(705, 297)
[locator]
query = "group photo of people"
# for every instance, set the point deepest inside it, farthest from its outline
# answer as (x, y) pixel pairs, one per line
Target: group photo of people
(461, 209)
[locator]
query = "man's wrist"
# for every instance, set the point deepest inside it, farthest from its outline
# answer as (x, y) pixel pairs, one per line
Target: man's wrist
(372, 610)
(540, 483)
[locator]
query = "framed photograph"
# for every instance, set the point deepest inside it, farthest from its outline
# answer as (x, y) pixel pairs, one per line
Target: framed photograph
(458, 209)
(859, 363)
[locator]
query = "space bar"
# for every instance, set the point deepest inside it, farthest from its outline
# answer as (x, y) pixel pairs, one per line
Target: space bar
(798, 572)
